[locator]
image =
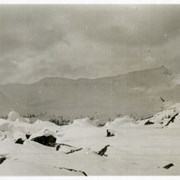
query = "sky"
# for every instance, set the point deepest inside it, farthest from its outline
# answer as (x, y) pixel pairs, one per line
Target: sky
(86, 41)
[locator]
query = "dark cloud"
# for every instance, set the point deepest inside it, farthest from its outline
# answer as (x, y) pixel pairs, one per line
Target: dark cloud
(86, 41)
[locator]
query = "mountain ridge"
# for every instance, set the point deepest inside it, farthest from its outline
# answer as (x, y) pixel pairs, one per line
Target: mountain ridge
(163, 68)
(136, 93)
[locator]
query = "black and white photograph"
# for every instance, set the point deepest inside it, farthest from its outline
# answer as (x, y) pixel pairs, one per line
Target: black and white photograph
(89, 90)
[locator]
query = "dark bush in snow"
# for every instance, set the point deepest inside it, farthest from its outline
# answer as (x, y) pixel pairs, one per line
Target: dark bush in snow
(60, 121)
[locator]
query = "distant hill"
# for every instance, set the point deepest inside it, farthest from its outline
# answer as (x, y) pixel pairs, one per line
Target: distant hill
(140, 93)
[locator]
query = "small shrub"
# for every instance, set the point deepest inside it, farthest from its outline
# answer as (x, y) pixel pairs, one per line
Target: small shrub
(101, 124)
(92, 118)
(118, 115)
(60, 121)
(4, 117)
(169, 116)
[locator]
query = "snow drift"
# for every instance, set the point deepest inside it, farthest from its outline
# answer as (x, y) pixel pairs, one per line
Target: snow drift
(43, 148)
(15, 116)
(125, 121)
(82, 122)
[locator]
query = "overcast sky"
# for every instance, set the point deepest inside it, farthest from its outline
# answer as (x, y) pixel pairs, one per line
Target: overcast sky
(89, 41)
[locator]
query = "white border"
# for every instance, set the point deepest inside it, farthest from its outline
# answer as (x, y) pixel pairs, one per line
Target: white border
(89, 2)
(90, 177)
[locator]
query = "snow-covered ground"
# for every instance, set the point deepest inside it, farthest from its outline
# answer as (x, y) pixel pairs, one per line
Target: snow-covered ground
(135, 148)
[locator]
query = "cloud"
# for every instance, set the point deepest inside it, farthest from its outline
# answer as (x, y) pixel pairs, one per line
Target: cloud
(86, 41)
(131, 25)
(29, 28)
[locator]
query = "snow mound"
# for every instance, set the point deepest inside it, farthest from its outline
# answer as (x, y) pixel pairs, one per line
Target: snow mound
(26, 120)
(97, 122)
(168, 117)
(82, 122)
(15, 116)
(5, 125)
(43, 132)
(40, 123)
(125, 121)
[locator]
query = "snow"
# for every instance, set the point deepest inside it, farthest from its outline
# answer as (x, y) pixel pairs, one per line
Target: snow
(12, 116)
(162, 118)
(82, 122)
(136, 149)
(15, 116)
(125, 121)
(4, 125)
(39, 124)
(43, 132)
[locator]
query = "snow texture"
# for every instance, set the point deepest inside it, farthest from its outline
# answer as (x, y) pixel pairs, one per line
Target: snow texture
(82, 148)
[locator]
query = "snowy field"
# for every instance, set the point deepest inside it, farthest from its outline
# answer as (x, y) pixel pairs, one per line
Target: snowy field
(132, 148)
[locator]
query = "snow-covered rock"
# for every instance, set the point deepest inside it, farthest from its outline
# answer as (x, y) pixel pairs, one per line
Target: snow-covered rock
(43, 132)
(44, 137)
(168, 117)
(121, 122)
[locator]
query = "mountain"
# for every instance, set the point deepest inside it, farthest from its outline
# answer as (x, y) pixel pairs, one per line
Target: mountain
(140, 93)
